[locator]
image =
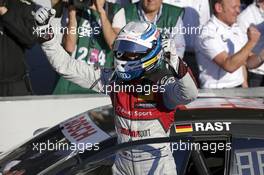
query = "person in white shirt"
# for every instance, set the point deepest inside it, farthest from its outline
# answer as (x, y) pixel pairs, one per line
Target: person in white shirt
(254, 14)
(196, 14)
(222, 49)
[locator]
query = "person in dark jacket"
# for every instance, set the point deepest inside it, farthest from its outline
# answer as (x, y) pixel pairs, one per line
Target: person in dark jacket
(16, 35)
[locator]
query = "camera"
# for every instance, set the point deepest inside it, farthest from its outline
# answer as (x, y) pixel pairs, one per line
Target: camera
(80, 4)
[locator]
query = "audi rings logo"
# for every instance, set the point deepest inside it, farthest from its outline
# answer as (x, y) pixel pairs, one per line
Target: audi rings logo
(124, 75)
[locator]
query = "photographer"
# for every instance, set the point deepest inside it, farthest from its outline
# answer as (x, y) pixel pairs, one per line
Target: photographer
(16, 34)
(84, 40)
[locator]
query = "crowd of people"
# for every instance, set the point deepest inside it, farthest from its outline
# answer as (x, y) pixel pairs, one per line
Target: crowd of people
(222, 44)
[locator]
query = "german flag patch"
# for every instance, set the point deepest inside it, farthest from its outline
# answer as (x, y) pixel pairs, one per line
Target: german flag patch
(180, 128)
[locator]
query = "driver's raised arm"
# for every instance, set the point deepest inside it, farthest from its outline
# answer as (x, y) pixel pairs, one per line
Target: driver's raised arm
(73, 70)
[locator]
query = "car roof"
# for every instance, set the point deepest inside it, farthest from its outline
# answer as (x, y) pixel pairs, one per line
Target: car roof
(221, 108)
(206, 103)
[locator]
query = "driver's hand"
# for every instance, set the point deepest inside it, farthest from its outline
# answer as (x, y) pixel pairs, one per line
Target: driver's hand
(180, 68)
(43, 17)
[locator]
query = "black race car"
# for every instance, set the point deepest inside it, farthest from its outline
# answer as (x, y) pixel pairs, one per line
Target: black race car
(210, 136)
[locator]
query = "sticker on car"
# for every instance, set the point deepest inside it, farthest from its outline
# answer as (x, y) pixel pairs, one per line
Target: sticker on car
(181, 128)
(83, 130)
(203, 127)
(212, 126)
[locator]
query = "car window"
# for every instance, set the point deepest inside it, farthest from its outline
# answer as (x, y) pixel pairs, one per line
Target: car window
(103, 117)
(181, 152)
(247, 156)
(37, 154)
(209, 156)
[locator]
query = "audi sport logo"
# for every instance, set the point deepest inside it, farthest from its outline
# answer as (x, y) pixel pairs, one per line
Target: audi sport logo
(124, 75)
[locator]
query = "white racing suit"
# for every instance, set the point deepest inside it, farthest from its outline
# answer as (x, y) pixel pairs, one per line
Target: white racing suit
(140, 114)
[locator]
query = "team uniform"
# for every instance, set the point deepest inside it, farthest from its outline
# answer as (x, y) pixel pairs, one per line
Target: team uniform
(143, 116)
(217, 37)
(254, 15)
(196, 14)
(168, 20)
(91, 49)
(138, 115)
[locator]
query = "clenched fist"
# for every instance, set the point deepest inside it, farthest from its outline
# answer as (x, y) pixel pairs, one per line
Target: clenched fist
(253, 34)
(43, 18)
(98, 6)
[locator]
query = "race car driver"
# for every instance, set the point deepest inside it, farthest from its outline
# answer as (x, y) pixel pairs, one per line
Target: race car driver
(139, 62)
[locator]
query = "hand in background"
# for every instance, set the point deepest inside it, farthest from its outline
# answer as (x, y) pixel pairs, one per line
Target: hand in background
(3, 9)
(98, 6)
(253, 34)
(71, 12)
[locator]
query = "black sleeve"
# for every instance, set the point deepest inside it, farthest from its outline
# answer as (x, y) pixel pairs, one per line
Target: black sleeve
(20, 25)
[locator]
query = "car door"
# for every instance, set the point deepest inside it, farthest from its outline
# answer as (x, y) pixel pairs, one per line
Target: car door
(247, 156)
(208, 155)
